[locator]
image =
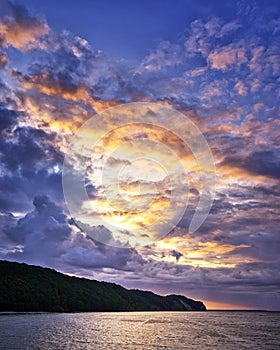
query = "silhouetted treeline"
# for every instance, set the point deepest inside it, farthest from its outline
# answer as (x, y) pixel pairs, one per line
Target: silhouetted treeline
(32, 288)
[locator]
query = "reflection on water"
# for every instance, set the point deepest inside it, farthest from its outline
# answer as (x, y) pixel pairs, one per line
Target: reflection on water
(141, 330)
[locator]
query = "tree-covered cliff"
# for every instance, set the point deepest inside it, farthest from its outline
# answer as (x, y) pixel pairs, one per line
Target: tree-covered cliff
(32, 288)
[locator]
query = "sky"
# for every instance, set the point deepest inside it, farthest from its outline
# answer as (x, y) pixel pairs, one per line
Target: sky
(120, 93)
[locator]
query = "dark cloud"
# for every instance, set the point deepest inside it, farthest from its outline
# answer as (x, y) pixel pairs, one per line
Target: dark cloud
(17, 190)
(52, 83)
(29, 158)
(21, 154)
(28, 149)
(7, 224)
(176, 254)
(46, 237)
(263, 162)
(7, 117)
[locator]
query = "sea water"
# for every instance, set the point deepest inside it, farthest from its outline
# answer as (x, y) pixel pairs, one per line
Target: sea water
(141, 330)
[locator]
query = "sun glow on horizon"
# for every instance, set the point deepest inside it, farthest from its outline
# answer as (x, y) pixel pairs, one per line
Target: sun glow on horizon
(214, 305)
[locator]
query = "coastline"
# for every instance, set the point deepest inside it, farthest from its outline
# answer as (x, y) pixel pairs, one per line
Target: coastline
(9, 313)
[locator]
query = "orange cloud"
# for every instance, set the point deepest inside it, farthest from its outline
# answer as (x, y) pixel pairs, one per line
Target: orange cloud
(200, 254)
(47, 85)
(240, 88)
(22, 31)
(229, 173)
(227, 56)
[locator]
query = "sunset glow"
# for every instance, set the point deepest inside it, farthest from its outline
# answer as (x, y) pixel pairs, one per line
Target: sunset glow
(149, 124)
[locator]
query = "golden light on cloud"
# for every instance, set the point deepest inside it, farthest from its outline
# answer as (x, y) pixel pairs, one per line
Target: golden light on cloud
(140, 169)
(141, 175)
(196, 253)
(22, 34)
(41, 117)
(46, 84)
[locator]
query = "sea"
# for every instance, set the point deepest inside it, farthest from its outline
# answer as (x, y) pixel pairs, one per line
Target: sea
(219, 330)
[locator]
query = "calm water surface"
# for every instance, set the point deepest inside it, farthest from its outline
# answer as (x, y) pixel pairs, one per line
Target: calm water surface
(141, 330)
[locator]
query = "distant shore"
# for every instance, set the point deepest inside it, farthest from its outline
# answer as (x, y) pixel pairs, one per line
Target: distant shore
(10, 313)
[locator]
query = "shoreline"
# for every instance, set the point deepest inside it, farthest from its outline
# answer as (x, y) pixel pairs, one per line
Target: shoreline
(9, 313)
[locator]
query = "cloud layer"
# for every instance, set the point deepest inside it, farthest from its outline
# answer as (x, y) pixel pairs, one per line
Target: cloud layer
(224, 75)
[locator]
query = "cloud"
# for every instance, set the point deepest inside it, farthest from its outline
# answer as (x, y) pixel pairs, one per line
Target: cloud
(45, 236)
(69, 80)
(30, 163)
(229, 27)
(176, 254)
(241, 88)
(198, 39)
(223, 75)
(230, 56)
(21, 30)
(3, 60)
(166, 55)
(264, 162)
(8, 117)
(39, 234)
(27, 148)
(7, 223)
